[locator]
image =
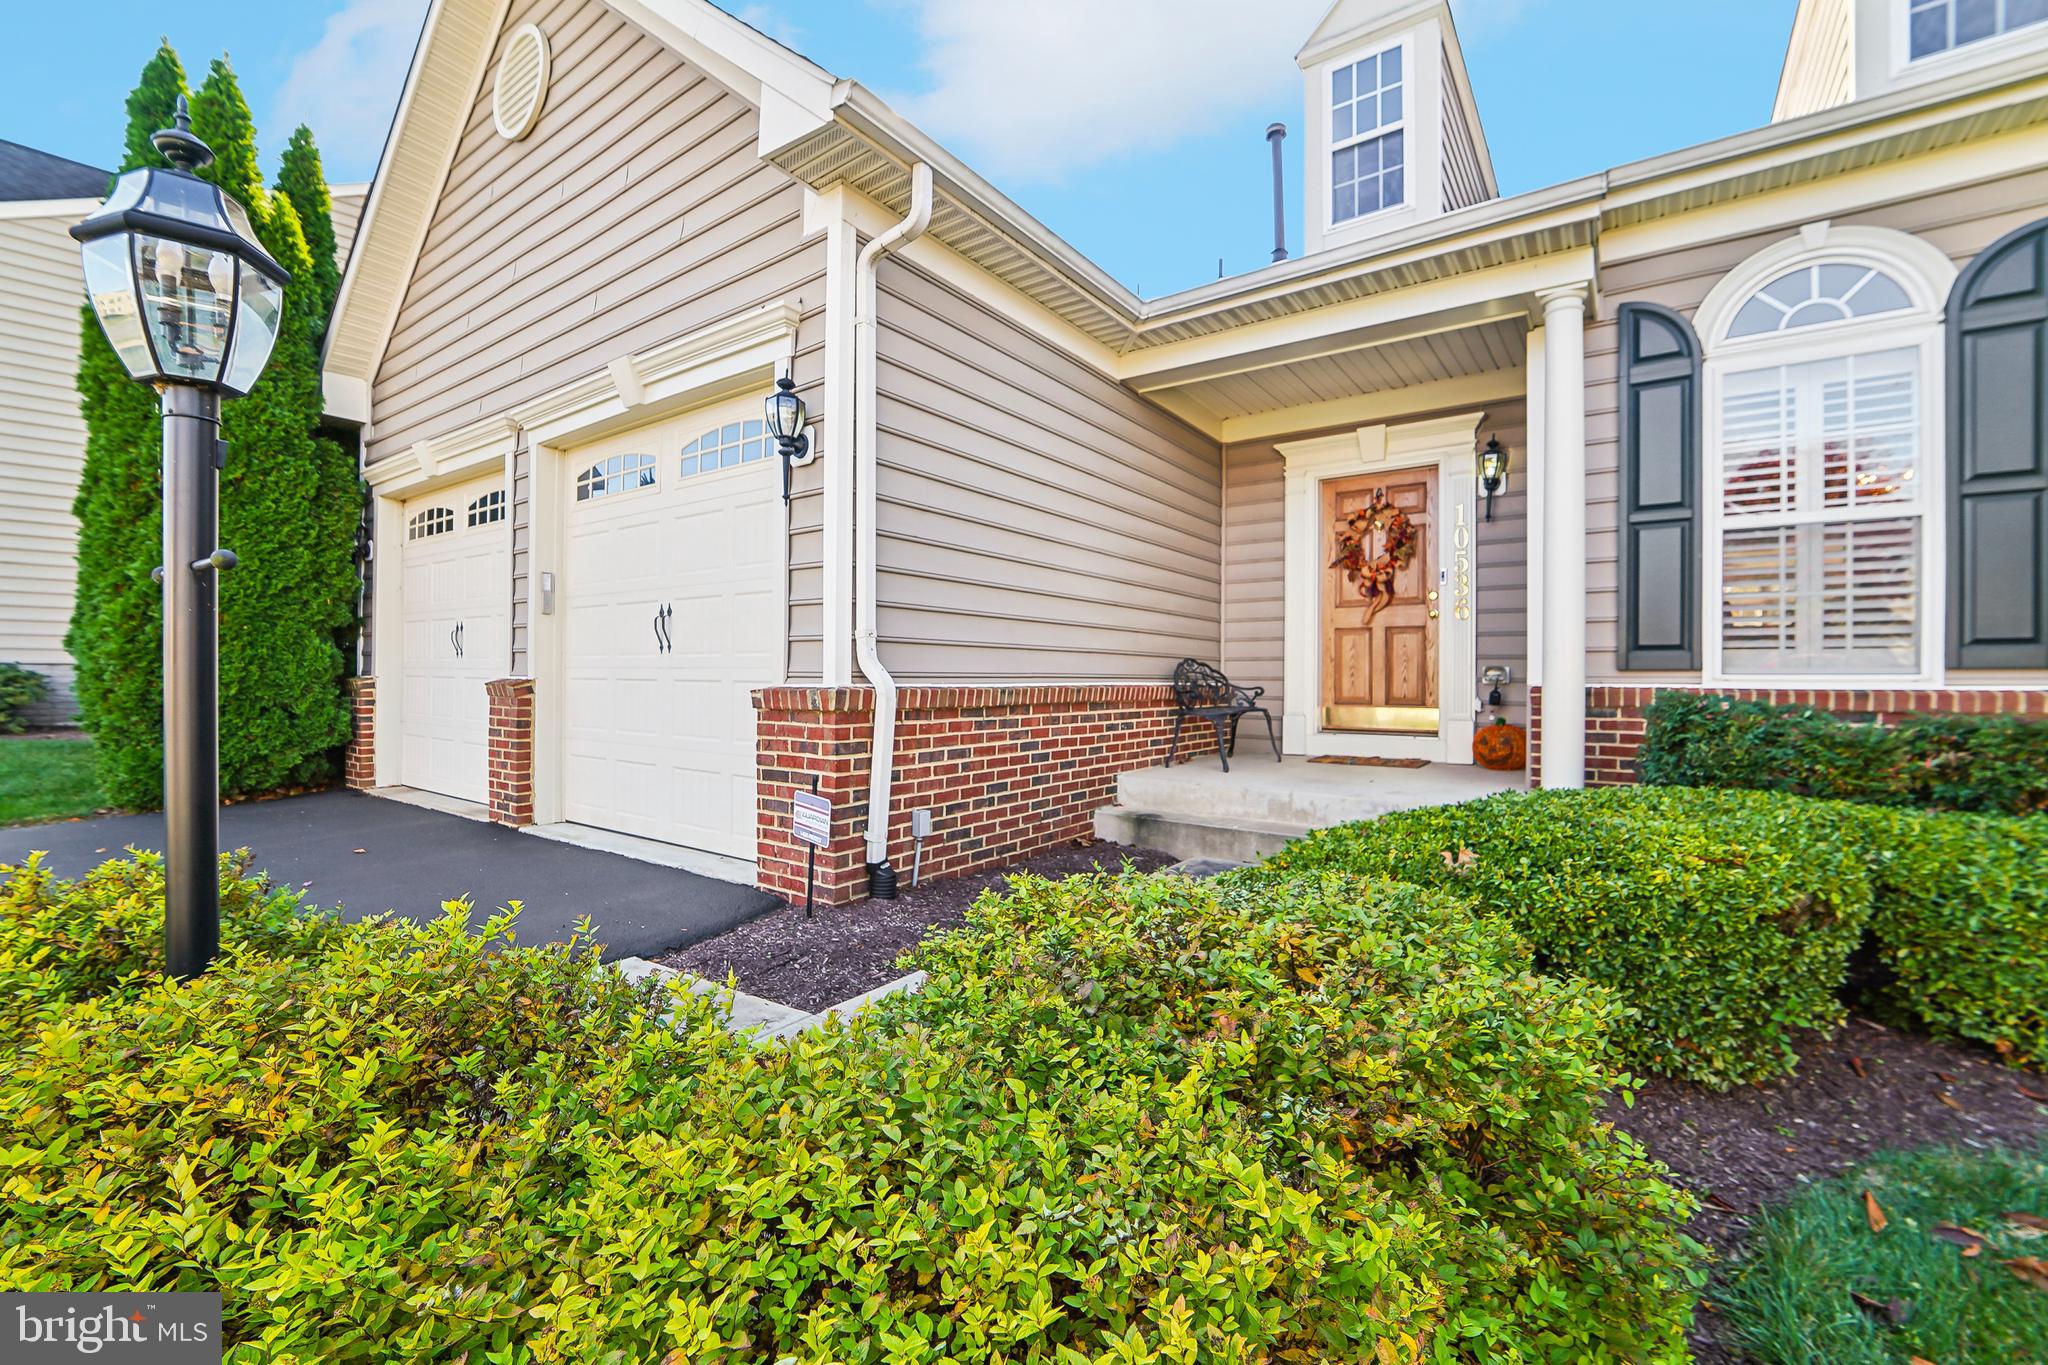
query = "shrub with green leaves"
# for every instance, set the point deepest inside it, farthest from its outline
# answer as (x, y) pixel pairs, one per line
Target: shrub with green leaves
(1335, 1122)
(1962, 922)
(1992, 764)
(1724, 919)
(20, 688)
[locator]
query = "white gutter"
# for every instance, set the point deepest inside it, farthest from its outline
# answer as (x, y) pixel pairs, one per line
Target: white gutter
(882, 751)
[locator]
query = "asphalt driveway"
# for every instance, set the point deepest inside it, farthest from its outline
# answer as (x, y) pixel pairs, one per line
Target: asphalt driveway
(365, 855)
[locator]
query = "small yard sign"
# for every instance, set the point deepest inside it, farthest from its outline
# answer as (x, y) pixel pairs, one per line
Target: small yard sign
(810, 818)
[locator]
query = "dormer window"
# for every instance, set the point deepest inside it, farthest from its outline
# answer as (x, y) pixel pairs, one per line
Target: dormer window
(1368, 135)
(1938, 26)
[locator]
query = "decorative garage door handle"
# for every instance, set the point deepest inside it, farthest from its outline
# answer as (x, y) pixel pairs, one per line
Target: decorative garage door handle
(664, 643)
(455, 638)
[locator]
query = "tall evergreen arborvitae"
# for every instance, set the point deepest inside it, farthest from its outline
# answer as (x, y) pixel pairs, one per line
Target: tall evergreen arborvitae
(300, 176)
(289, 505)
(289, 501)
(116, 634)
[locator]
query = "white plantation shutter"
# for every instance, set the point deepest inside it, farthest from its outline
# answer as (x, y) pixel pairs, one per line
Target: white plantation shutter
(1822, 512)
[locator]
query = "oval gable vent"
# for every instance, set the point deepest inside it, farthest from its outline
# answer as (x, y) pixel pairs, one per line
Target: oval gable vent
(522, 84)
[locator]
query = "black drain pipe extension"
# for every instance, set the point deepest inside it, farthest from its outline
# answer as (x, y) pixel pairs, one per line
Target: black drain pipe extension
(1277, 134)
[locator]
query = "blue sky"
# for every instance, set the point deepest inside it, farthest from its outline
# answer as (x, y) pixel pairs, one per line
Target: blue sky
(1134, 128)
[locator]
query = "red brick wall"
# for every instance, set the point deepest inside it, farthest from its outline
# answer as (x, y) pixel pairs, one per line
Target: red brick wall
(1005, 771)
(1615, 725)
(510, 752)
(359, 763)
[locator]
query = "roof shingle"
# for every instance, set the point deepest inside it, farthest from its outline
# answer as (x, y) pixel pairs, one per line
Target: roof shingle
(26, 173)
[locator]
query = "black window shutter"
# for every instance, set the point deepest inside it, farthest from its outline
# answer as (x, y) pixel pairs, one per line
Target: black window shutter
(1659, 523)
(1998, 457)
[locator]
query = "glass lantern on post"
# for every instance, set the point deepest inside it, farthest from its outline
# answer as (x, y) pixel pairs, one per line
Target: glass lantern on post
(192, 304)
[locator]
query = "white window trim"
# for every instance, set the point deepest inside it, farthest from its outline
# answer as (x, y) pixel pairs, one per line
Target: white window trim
(1405, 125)
(1915, 330)
(1905, 68)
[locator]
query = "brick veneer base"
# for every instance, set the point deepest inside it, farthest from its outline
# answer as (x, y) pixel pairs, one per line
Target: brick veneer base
(1615, 726)
(510, 753)
(1005, 771)
(359, 761)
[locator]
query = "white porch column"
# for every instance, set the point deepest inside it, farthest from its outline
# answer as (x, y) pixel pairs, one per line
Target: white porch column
(1563, 546)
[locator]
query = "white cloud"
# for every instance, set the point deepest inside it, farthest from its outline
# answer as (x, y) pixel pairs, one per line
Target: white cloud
(1038, 90)
(346, 86)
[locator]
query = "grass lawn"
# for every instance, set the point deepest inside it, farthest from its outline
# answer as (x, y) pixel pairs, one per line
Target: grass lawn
(46, 779)
(1818, 1284)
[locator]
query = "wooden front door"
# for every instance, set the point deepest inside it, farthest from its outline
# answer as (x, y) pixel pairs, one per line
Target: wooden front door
(1379, 667)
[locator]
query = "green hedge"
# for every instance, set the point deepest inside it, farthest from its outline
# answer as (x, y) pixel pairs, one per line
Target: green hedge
(20, 688)
(1992, 764)
(1962, 922)
(1130, 1120)
(1725, 919)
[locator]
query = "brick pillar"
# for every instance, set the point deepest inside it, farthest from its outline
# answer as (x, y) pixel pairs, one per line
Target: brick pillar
(510, 754)
(359, 764)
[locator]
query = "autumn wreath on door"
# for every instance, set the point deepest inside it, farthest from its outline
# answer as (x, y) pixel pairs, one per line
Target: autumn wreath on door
(1378, 524)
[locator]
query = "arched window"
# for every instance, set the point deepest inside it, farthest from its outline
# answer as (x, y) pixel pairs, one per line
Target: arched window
(488, 508)
(434, 521)
(1822, 469)
(616, 474)
(723, 447)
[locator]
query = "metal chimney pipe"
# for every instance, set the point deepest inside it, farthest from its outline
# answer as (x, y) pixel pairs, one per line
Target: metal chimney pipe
(1277, 134)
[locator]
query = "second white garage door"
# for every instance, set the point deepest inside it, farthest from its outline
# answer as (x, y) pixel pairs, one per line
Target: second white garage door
(673, 598)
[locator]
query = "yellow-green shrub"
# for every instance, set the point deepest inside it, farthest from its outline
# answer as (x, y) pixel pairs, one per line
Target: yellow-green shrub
(1725, 919)
(1962, 922)
(413, 1143)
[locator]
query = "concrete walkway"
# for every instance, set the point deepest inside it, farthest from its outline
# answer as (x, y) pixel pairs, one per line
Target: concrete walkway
(364, 855)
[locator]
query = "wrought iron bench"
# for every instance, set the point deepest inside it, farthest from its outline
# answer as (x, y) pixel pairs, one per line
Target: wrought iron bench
(1202, 693)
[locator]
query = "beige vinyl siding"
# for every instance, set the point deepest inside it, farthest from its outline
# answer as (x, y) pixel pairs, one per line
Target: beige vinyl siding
(1254, 595)
(1038, 523)
(1820, 61)
(42, 448)
(1464, 182)
(1960, 222)
(636, 212)
(347, 215)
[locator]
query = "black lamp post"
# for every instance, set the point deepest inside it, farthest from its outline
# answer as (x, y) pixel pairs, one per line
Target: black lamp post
(191, 302)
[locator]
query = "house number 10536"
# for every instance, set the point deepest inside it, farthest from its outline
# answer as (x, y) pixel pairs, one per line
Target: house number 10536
(1461, 569)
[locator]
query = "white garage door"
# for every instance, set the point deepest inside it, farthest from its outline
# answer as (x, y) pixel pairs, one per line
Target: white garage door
(673, 598)
(456, 599)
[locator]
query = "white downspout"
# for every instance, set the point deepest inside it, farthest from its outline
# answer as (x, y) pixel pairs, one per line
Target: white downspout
(882, 752)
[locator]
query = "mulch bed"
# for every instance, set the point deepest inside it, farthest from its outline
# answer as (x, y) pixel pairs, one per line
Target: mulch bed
(1867, 1090)
(843, 952)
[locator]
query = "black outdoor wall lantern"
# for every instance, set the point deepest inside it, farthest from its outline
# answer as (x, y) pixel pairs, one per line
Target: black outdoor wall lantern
(191, 303)
(787, 418)
(1493, 472)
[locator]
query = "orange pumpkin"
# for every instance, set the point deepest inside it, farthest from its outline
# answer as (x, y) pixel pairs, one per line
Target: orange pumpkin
(1501, 747)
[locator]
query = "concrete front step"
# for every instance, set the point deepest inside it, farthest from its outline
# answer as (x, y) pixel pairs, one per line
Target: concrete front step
(1298, 794)
(1186, 836)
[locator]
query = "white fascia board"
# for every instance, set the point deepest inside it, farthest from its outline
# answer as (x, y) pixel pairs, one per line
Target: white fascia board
(1458, 300)
(73, 209)
(342, 318)
(345, 397)
(1326, 42)
(1960, 97)
(793, 93)
(870, 116)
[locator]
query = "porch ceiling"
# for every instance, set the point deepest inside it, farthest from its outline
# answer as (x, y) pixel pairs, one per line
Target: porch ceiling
(1253, 388)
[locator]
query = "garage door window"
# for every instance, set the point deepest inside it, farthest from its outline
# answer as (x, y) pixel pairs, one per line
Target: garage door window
(615, 475)
(434, 521)
(488, 508)
(726, 446)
